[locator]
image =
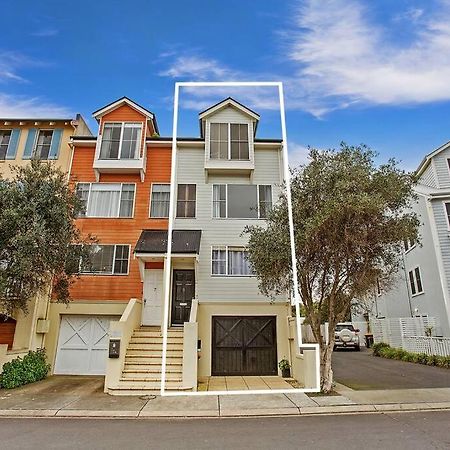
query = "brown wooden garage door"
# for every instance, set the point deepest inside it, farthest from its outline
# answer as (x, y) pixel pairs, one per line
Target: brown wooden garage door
(7, 330)
(244, 345)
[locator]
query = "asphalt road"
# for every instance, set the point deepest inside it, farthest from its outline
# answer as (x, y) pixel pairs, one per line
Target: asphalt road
(419, 430)
(360, 371)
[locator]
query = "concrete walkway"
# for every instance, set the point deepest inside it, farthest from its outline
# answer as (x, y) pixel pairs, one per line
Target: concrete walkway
(244, 383)
(83, 397)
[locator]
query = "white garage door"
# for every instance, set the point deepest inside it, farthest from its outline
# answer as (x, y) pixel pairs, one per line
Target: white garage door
(83, 345)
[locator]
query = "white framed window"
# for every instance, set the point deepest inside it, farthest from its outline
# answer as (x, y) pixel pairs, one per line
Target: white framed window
(408, 244)
(415, 281)
(43, 144)
(229, 141)
(107, 199)
(241, 201)
(186, 200)
(120, 140)
(230, 261)
(447, 213)
(107, 260)
(160, 200)
(5, 137)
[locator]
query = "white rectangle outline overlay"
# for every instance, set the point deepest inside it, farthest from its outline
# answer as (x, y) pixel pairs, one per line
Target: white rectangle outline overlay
(167, 272)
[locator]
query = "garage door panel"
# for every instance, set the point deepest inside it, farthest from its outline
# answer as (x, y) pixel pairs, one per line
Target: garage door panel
(244, 345)
(83, 345)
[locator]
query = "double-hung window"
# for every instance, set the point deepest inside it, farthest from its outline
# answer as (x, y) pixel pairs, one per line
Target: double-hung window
(447, 213)
(415, 281)
(160, 200)
(230, 261)
(186, 200)
(107, 199)
(229, 141)
(43, 144)
(5, 137)
(107, 260)
(408, 244)
(121, 140)
(241, 201)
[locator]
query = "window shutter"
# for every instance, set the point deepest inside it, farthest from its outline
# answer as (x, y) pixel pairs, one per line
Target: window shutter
(56, 141)
(14, 141)
(29, 145)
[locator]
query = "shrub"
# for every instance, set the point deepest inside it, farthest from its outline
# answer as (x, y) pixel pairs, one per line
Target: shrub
(32, 367)
(378, 347)
(432, 360)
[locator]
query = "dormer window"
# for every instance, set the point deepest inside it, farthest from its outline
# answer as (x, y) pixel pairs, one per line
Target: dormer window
(121, 140)
(229, 141)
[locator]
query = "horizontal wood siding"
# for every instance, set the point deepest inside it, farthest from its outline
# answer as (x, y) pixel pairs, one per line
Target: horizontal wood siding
(428, 178)
(119, 231)
(441, 167)
(190, 169)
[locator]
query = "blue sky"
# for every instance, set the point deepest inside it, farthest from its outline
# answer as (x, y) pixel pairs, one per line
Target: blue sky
(375, 72)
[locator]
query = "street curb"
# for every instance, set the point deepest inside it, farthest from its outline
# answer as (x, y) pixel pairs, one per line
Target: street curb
(292, 412)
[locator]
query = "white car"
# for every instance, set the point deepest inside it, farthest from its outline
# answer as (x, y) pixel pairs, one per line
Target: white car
(346, 335)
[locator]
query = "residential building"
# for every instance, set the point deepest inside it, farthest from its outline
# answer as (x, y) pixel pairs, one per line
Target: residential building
(422, 287)
(21, 140)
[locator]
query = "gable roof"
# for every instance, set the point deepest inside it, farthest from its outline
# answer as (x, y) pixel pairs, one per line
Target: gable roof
(125, 101)
(425, 161)
(228, 102)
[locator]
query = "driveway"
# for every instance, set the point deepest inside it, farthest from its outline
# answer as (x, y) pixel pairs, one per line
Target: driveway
(361, 371)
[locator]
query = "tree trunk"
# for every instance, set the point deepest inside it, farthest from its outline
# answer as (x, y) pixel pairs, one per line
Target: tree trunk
(326, 371)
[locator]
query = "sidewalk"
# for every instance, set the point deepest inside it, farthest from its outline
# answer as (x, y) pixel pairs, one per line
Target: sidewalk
(91, 402)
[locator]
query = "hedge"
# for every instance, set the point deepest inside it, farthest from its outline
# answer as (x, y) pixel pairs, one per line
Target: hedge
(32, 367)
(385, 351)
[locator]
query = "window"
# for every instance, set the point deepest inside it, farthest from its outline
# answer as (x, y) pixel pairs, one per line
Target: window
(241, 201)
(230, 261)
(186, 200)
(229, 141)
(408, 244)
(415, 281)
(107, 199)
(107, 260)
(447, 212)
(5, 137)
(219, 200)
(160, 200)
(43, 144)
(264, 200)
(120, 140)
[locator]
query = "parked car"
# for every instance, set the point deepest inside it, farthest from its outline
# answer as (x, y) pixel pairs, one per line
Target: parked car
(346, 335)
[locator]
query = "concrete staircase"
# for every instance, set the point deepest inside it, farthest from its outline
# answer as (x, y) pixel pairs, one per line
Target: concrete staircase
(143, 362)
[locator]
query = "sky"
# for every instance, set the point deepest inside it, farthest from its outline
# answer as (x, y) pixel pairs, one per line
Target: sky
(374, 72)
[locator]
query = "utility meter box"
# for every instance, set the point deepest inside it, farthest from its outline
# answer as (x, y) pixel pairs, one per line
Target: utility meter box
(114, 348)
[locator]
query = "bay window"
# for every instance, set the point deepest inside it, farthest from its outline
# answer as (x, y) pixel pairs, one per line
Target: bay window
(121, 140)
(107, 199)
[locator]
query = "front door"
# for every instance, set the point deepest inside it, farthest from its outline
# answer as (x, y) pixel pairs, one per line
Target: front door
(182, 294)
(152, 310)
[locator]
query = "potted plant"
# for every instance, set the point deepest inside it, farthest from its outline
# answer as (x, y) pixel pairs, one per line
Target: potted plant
(285, 368)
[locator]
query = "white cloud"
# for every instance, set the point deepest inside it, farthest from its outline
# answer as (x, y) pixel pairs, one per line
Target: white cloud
(298, 154)
(45, 32)
(343, 58)
(12, 106)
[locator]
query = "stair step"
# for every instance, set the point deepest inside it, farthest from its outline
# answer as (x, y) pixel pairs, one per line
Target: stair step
(155, 359)
(155, 340)
(144, 378)
(151, 371)
(154, 353)
(150, 346)
(129, 383)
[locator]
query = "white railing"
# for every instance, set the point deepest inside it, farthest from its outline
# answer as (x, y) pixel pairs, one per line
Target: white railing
(426, 344)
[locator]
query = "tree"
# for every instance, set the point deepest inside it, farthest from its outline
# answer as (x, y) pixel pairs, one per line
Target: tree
(350, 219)
(38, 236)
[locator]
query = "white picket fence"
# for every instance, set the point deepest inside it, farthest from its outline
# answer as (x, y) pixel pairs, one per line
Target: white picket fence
(427, 344)
(409, 333)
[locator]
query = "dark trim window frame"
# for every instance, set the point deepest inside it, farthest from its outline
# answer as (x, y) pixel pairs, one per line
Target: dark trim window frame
(186, 201)
(415, 281)
(5, 139)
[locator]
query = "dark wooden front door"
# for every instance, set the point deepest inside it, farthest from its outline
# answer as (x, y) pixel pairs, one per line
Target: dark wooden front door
(244, 345)
(182, 294)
